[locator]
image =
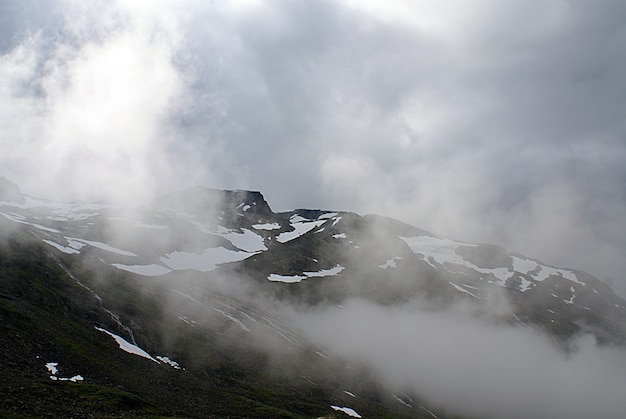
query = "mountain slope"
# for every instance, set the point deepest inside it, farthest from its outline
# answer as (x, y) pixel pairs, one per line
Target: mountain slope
(181, 308)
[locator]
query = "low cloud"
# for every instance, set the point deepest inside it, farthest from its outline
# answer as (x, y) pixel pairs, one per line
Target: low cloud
(466, 366)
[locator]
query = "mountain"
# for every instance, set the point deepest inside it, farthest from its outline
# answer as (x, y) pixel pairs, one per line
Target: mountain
(182, 308)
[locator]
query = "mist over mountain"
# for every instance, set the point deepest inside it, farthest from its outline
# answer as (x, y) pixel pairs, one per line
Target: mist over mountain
(207, 303)
(490, 122)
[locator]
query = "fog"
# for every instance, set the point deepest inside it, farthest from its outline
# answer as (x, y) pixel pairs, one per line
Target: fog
(470, 367)
(495, 122)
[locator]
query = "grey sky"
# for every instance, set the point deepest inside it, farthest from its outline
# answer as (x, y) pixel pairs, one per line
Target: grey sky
(490, 121)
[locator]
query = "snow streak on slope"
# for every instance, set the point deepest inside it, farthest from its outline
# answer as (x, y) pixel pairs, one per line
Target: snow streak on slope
(247, 240)
(127, 346)
(297, 278)
(145, 270)
(205, 261)
(300, 226)
(347, 410)
(443, 251)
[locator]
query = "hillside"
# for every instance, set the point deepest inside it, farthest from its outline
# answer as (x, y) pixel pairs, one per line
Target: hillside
(185, 308)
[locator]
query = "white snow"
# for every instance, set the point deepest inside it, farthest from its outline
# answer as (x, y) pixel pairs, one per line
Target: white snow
(138, 224)
(285, 278)
(232, 318)
(74, 244)
(204, 262)
(266, 226)
(52, 367)
(297, 278)
(301, 226)
(145, 270)
(348, 411)
(327, 216)
(525, 285)
(349, 393)
(19, 219)
(571, 300)
(339, 236)
(443, 250)
(524, 266)
(547, 271)
(247, 241)
(390, 263)
(168, 361)
(63, 249)
(325, 272)
(459, 288)
(103, 246)
(401, 401)
(127, 346)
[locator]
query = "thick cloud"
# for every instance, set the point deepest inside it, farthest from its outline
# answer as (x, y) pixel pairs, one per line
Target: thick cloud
(463, 366)
(491, 121)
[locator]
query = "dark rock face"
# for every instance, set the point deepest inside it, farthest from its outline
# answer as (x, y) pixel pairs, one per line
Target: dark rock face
(10, 192)
(201, 200)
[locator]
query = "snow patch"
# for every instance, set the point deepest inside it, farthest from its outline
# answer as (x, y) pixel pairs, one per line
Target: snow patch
(104, 246)
(63, 249)
(166, 360)
(571, 299)
(525, 285)
(19, 219)
(459, 288)
(290, 279)
(297, 278)
(390, 263)
(301, 226)
(248, 241)
(443, 250)
(348, 411)
(327, 216)
(266, 226)
(325, 272)
(232, 318)
(145, 270)
(127, 346)
(401, 401)
(52, 367)
(138, 224)
(204, 262)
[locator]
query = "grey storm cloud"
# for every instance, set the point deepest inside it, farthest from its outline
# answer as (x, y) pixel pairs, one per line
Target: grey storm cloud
(492, 121)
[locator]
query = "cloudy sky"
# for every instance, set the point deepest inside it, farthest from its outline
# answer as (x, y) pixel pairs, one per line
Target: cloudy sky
(486, 121)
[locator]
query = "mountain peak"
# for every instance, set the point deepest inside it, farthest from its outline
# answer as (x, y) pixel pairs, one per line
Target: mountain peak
(201, 199)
